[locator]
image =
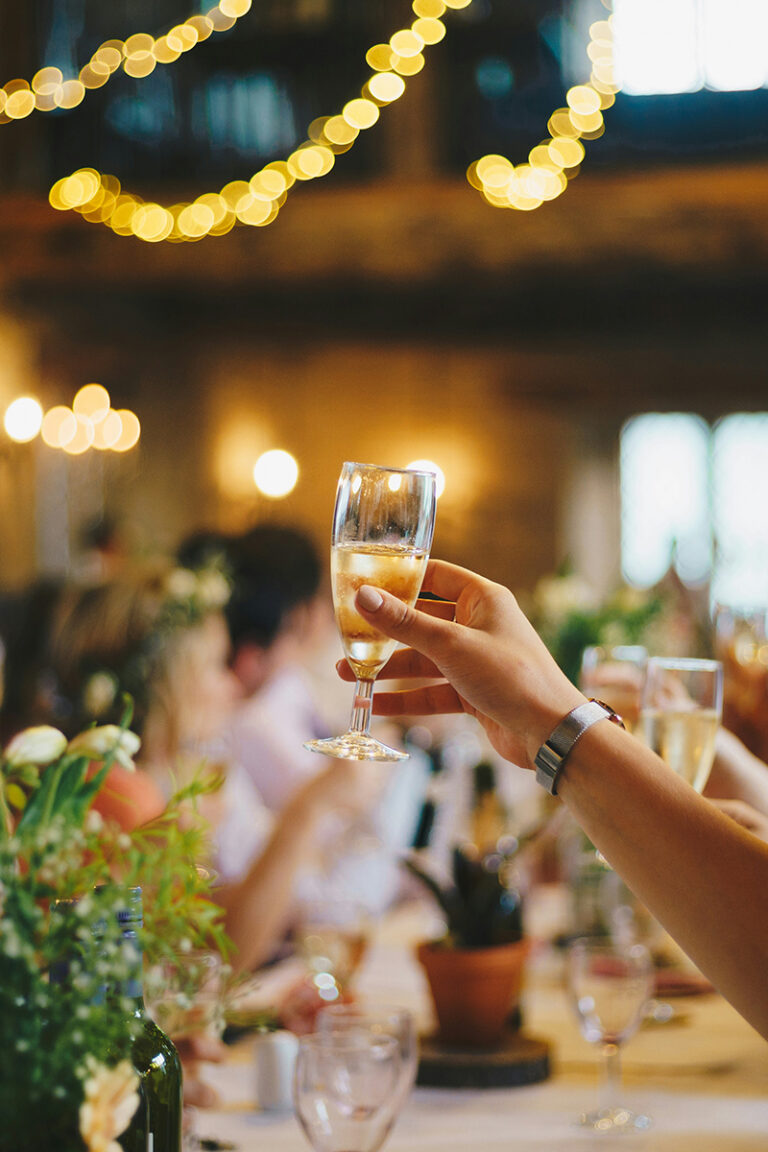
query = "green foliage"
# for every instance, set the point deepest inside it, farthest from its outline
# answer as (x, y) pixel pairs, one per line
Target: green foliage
(56, 958)
(570, 619)
(481, 907)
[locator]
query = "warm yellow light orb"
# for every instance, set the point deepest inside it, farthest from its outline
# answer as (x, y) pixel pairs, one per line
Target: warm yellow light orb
(23, 419)
(131, 430)
(91, 401)
(59, 426)
(83, 437)
(430, 466)
(275, 473)
(108, 431)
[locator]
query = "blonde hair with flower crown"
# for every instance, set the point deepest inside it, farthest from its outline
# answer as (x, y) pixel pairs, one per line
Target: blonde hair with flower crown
(134, 634)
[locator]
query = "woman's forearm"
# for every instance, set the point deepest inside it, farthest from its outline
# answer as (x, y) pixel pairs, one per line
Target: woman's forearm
(258, 907)
(701, 875)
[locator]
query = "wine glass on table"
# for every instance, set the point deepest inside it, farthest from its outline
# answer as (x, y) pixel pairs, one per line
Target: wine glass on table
(383, 523)
(345, 1090)
(609, 985)
(377, 1020)
(680, 713)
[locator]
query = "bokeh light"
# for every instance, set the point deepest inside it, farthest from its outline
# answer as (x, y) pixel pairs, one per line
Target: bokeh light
(251, 203)
(23, 419)
(83, 437)
(553, 161)
(92, 401)
(108, 431)
(130, 431)
(275, 473)
(430, 466)
(59, 426)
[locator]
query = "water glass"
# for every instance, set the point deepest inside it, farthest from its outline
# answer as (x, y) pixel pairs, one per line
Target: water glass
(609, 985)
(353, 1019)
(345, 1090)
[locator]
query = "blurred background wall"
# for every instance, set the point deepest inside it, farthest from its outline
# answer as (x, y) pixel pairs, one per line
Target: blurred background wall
(388, 313)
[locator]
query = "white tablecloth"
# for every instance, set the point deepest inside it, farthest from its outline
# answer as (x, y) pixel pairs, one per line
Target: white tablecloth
(703, 1078)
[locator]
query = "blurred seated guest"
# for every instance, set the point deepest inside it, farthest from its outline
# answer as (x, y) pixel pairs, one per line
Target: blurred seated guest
(278, 618)
(103, 550)
(160, 635)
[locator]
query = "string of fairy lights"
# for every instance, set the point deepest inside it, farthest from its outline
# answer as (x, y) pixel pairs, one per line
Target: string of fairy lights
(558, 158)
(256, 202)
(137, 56)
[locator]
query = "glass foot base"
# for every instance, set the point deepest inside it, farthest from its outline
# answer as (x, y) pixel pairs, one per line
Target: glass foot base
(354, 746)
(615, 1120)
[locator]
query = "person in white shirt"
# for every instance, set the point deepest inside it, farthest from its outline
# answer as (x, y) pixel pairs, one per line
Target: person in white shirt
(278, 619)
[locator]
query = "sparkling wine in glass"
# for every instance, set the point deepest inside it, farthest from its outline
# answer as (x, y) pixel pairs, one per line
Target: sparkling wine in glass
(610, 985)
(383, 523)
(681, 709)
(345, 1090)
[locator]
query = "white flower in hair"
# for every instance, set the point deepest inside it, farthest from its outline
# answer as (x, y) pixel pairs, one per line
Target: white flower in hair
(213, 589)
(181, 584)
(99, 693)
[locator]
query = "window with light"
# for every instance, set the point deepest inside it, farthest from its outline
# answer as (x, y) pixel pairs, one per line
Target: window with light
(671, 46)
(694, 497)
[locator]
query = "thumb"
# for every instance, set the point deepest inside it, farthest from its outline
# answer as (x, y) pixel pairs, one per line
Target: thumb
(416, 629)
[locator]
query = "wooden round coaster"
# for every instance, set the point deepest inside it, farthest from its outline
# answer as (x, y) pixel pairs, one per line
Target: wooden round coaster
(518, 1060)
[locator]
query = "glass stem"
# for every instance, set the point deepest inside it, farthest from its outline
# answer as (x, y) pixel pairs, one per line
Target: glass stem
(360, 722)
(610, 1080)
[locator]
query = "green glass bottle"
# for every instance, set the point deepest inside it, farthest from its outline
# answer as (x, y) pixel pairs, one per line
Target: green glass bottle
(156, 1124)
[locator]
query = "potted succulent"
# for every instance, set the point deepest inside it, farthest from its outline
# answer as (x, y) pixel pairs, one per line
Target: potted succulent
(475, 970)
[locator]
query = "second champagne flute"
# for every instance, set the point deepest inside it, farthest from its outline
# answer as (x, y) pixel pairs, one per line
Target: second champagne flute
(383, 523)
(681, 709)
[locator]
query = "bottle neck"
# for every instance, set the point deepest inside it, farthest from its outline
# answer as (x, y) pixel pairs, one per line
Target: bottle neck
(132, 986)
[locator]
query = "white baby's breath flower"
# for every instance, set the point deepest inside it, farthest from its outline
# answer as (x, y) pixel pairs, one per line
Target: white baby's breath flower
(41, 745)
(99, 693)
(556, 597)
(111, 1098)
(94, 821)
(181, 584)
(98, 743)
(213, 589)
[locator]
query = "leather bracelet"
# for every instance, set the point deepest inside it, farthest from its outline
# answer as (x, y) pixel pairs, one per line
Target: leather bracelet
(551, 757)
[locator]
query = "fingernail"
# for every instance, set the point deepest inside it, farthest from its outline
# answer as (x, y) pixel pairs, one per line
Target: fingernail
(369, 598)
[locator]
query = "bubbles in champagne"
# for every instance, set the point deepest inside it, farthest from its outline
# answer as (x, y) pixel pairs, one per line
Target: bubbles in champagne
(399, 571)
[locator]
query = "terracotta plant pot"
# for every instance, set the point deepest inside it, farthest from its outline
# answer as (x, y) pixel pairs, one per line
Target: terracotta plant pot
(473, 990)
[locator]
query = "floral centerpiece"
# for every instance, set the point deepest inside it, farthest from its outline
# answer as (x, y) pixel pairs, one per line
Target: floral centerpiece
(66, 1081)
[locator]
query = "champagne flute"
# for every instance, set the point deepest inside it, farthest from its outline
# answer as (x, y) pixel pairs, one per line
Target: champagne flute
(383, 523)
(610, 986)
(615, 675)
(681, 708)
(345, 1090)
